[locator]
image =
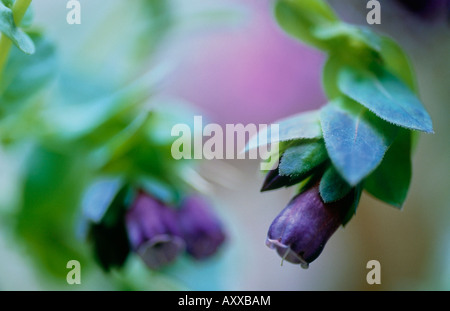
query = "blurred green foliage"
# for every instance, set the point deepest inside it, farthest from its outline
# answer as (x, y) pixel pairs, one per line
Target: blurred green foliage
(79, 129)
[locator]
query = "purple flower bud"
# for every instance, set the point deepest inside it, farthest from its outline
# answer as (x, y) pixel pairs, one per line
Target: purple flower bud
(201, 229)
(153, 231)
(300, 232)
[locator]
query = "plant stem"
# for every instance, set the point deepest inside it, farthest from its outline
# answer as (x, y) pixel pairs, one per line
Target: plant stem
(19, 9)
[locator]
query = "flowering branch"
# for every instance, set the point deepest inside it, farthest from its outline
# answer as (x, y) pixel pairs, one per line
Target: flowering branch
(367, 130)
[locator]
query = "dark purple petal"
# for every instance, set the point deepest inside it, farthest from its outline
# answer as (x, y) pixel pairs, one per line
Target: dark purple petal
(300, 232)
(201, 229)
(153, 231)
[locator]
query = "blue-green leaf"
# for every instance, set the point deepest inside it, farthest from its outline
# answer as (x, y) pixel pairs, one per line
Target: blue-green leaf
(25, 75)
(299, 161)
(397, 62)
(28, 18)
(14, 33)
(305, 125)
(300, 17)
(386, 96)
(354, 34)
(332, 186)
(71, 120)
(99, 197)
(390, 181)
(356, 139)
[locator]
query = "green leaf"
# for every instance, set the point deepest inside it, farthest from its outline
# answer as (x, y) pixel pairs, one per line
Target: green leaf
(46, 218)
(311, 180)
(93, 109)
(305, 125)
(299, 161)
(390, 181)
(99, 197)
(330, 73)
(353, 34)
(28, 18)
(160, 190)
(14, 33)
(122, 142)
(356, 139)
(25, 75)
(386, 96)
(8, 3)
(332, 186)
(299, 18)
(397, 62)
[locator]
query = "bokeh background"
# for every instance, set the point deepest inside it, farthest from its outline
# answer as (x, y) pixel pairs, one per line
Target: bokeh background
(233, 64)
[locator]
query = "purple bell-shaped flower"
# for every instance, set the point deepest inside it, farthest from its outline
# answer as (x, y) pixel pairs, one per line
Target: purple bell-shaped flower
(153, 231)
(300, 232)
(200, 227)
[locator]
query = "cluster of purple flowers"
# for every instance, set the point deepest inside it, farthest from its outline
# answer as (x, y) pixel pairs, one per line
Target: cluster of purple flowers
(159, 233)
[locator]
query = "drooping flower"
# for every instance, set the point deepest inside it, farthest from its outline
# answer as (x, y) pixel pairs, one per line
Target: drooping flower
(300, 232)
(200, 228)
(153, 231)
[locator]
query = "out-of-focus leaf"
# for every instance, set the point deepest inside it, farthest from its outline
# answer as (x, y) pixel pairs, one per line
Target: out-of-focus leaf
(330, 73)
(355, 138)
(351, 33)
(386, 96)
(305, 125)
(390, 181)
(73, 121)
(299, 161)
(299, 18)
(98, 198)
(160, 190)
(332, 186)
(8, 3)
(122, 142)
(46, 220)
(14, 33)
(397, 62)
(166, 113)
(28, 18)
(25, 75)
(158, 19)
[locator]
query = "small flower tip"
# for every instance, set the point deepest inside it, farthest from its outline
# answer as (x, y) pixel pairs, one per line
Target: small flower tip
(161, 250)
